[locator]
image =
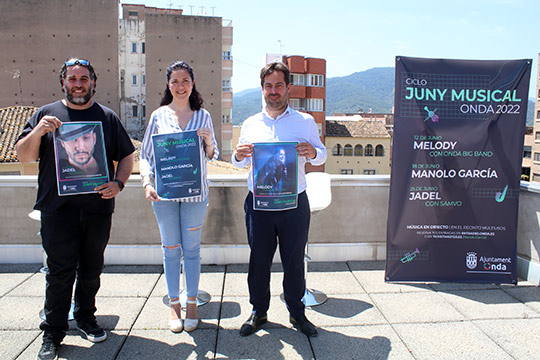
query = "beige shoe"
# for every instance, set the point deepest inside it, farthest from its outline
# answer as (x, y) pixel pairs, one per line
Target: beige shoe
(176, 325)
(191, 324)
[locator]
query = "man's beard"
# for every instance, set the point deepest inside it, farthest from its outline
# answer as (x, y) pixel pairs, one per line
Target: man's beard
(79, 100)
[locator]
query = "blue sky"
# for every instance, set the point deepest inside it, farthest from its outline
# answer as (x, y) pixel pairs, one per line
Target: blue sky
(359, 35)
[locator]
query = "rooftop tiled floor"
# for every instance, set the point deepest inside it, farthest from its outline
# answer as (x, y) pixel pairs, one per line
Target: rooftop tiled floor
(364, 317)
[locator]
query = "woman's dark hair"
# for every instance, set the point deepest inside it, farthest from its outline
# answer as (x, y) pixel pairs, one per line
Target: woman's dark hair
(195, 99)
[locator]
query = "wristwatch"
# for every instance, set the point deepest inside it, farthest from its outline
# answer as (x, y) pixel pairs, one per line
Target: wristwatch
(120, 184)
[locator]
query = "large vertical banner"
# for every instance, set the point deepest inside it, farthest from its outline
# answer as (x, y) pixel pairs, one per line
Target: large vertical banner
(456, 164)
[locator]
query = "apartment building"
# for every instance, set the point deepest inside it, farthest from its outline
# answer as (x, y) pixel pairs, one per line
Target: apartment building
(130, 55)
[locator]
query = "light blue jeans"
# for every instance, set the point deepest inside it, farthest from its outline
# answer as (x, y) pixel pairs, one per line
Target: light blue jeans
(180, 226)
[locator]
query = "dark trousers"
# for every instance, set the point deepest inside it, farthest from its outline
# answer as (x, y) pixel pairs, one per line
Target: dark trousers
(264, 228)
(74, 241)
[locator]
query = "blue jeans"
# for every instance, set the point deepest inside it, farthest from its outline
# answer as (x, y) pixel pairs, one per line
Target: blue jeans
(180, 226)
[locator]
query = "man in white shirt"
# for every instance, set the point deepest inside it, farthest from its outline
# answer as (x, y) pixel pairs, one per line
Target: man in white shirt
(278, 123)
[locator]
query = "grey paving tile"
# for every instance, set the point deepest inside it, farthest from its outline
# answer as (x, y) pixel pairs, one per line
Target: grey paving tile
(20, 313)
(121, 284)
(519, 338)
(415, 307)
(346, 310)
(163, 344)
(14, 342)
(461, 286)
(528, 294)
(488, 304)
(449, 340)
(236, 281)
(75, 346)
(155, 315)
(373, 282)
(236, 310)
(359, 342)
(268, 343)
(117, 313)
(10, 282)
(335, 282)
(32, 286)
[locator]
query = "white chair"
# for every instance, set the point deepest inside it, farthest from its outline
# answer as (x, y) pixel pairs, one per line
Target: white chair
(320, 196)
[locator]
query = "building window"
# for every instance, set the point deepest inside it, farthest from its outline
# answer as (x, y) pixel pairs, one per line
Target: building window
(369, 150)
(296, 104)
(314, 105)
(538, 115)
(134, 80)
(536, 156)
(319, 127)
(143, 48)
(358, 150)
(144, 111)
(337, 150)
(315, 80)
(298, 79)
(144, 79)
(369, 172)
(133, 13)
(134, 109)
(346, 171)
(226, 119)
(527, 152)
(133, 48)
(347, 150)
(536, 177)
(227, 55)
(226, 85)
(537, 136)
(379, 150)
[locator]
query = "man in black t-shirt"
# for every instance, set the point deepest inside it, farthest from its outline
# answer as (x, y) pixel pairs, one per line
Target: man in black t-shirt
(75, 228)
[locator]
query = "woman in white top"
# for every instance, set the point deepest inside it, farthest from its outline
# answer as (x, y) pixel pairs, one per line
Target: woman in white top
(180, 222)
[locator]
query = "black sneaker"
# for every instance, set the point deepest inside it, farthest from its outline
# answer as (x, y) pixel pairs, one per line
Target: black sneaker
(48, 351)
(92, 331)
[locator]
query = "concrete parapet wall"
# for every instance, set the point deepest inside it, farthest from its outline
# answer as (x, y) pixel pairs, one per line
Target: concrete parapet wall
(355, 221)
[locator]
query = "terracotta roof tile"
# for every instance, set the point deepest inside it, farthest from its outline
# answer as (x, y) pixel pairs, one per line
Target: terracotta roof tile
(360, 128)
(12, 121)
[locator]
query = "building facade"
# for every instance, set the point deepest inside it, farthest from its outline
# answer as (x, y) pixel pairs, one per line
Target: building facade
(36, 37)
(130, 55)
(358, 147)
(308, 92)
(535, 167)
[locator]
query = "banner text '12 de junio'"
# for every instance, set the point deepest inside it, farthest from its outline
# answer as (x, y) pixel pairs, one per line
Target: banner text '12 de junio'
(456, 166)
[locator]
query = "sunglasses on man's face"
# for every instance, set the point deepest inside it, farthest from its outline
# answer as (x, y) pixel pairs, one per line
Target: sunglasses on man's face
(77, 62)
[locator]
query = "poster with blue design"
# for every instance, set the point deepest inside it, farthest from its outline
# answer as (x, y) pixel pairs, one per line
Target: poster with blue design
(275, 176)
(459, 127)
(177, 165)
(80, 157)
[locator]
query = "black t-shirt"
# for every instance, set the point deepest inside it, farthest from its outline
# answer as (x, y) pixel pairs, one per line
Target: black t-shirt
(117, 146)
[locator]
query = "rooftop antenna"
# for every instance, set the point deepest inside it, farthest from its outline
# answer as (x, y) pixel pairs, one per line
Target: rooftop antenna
(212, 7)
(281, 47)
(191, 7)
(170, 6)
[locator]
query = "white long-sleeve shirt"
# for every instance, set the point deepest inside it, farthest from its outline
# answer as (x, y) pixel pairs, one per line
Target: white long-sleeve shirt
(289, 126)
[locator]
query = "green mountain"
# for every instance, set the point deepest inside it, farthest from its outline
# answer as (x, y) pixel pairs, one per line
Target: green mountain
(371, 89)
